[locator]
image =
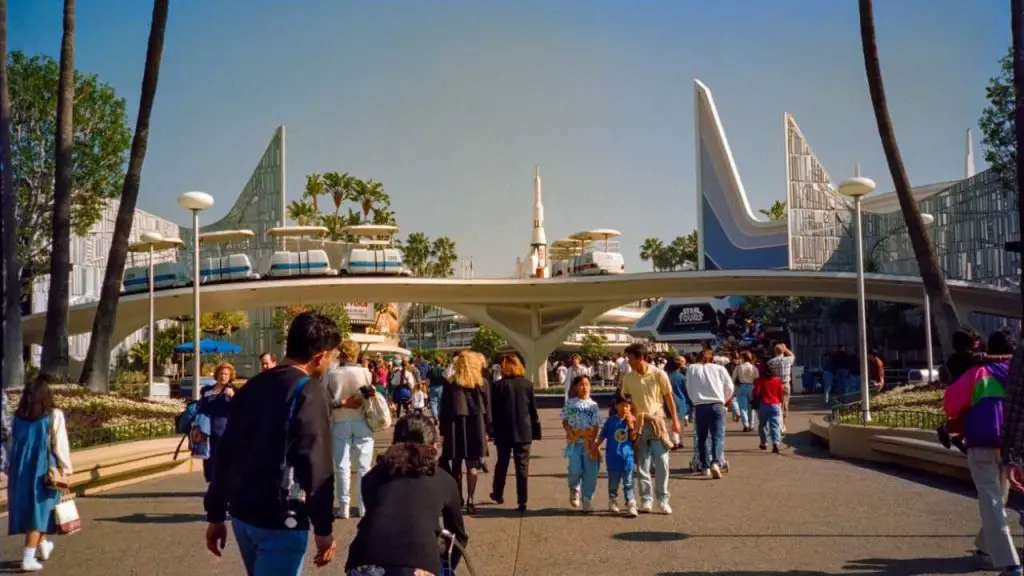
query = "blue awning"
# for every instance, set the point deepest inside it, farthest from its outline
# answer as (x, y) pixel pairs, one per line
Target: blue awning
(210, 347)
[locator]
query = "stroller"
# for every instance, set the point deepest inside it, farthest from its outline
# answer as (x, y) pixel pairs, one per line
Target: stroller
(452, 554)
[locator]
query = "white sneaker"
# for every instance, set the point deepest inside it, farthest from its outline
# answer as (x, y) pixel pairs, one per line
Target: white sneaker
(613, 505)
(716, 472)
(44, 549)
(574, 498)
(707, 473)
(631, 509)
(342, 512)
(588, 506)
(30, 565)
(646, 506)
(664, 508)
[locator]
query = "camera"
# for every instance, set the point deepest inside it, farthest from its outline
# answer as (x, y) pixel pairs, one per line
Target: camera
(293, 499)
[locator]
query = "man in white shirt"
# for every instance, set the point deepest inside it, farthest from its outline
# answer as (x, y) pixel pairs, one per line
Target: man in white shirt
(709, 386)
(782, 366)
(621, 367)
(576, 369)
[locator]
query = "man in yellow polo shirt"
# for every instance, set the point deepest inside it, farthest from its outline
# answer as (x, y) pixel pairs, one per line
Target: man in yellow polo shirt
(651, 392)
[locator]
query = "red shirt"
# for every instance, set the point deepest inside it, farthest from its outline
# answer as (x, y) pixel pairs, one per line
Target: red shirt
(768, 390)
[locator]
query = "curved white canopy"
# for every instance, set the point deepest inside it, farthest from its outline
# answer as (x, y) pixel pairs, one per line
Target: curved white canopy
(226, 235)
(156, 242)
(370, 230)
(596, 234)
(292, 231)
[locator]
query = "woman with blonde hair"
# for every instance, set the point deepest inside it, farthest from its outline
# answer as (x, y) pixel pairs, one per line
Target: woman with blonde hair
(349, 384)
(514, 426)
(464, 422)
(215, 404)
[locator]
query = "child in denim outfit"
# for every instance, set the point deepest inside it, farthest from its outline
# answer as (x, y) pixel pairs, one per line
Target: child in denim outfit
(581, 420)
(620, 431)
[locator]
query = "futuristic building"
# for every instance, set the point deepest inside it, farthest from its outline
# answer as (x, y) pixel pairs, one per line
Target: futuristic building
(88, 265)
(973, 217)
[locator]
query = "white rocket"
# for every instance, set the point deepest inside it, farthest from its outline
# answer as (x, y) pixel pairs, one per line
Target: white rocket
(538, 240)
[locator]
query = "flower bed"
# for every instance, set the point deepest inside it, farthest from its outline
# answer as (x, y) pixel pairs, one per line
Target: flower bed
(94, 419)
(923, 398)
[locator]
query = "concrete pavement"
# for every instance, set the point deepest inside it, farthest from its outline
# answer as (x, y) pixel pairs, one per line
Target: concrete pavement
(800, 513)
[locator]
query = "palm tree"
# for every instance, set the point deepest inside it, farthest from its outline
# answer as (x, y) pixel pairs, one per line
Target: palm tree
(416, 253)
(334, 225)
(649, 249)
(443, 251)
(947, 320)
(371, 197)
(338, 187)
(303, 212)
(13, 374)
(97, 361)
(384, 217)
(777, 211)
(54, 361)
(684, 249)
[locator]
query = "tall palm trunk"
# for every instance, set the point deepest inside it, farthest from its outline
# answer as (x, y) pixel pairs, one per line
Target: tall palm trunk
(97, 362)
(947, 320)
(14, 368)
(54, 362)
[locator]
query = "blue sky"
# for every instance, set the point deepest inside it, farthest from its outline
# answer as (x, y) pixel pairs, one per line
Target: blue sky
(451, 104)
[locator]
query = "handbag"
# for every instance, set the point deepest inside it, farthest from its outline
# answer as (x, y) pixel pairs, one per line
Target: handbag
(65, 516)
(56, 478)
(375, 408)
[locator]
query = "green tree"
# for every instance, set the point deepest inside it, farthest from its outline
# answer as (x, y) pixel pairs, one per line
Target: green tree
(98, 152)
(487, 342)
(13, 373)
(303, 213)
(97, 361)
(593, 347)
(650, 249)
(777, 211)
(163, 350)
(998, 126)
(444, 257)
(224, 323)
(947, 319)
(54, 361)
(283, 317)
(685, 249)
(416, 252)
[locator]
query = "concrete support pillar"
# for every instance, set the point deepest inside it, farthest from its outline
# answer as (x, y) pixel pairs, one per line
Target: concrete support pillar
(534, 330)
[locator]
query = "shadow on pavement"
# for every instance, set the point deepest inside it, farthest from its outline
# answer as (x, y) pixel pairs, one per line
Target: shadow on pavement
(146, 495)
(491, 511)
(650, 536)
(142, 518)
(867, 567)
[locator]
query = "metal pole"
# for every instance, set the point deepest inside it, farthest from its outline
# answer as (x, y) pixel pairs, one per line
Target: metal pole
(152, 317)
(1017, 23)
(928, 337)
(862, 316)
(196, 364)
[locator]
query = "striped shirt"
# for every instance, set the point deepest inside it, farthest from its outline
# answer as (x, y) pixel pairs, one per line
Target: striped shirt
(782, 366)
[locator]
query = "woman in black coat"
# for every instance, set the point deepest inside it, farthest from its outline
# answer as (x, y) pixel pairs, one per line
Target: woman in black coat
(464, 422)
(514, 426)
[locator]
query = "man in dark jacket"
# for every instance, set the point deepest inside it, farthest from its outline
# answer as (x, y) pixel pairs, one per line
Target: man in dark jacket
(274, 466)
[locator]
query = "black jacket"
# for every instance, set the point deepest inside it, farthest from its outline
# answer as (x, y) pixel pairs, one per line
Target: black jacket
(247, 475)
(514, 417)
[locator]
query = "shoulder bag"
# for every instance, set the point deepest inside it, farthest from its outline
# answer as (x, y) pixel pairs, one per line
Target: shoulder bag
(375, 407)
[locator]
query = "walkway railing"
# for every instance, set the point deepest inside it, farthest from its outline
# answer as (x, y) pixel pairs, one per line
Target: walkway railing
(920, 419)
(102, 436)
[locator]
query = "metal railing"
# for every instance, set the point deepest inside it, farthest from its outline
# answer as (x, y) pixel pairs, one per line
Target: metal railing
(92, 437)
(888, 418)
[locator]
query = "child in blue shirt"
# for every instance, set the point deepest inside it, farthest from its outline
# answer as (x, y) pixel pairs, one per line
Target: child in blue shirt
(581, 420)
(620, 432)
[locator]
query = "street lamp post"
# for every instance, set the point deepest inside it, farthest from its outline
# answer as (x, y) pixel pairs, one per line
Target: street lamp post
(151, 242)
(928, 220)
(857, 188)
(196, 202)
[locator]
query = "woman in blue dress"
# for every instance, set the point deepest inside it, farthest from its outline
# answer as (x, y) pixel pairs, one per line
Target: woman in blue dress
(216, 405)
(40, 440)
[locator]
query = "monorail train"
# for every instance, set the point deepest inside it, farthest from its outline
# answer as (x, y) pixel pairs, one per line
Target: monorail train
(583, 255)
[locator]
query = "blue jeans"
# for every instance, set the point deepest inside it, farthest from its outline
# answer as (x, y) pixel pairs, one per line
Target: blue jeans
(351, 436)
(771, 423)
(626, 478)
(648, 448)
(827, 379)
(582, 470)
(744, 392)
(842, 381)
(434, 400)
(267, 552)
(711, 424)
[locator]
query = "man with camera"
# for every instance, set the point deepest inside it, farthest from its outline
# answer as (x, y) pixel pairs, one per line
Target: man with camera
(275, 468)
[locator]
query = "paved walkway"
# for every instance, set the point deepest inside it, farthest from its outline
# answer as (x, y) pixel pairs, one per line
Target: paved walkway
(800, 513)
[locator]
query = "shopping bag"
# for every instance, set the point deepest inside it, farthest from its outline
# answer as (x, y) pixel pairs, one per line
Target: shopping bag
(66, 517)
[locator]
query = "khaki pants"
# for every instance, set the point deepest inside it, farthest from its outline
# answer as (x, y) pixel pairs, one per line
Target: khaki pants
(994, 538)
(787, 391)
